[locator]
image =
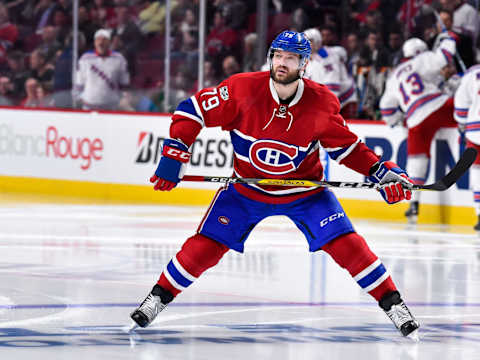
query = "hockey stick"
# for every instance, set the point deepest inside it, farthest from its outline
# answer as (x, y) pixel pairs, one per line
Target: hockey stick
(465, 161)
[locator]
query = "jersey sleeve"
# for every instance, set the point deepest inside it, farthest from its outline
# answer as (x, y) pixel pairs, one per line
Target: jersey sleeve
(125, 75)
(463, 98)
(332, 75)
(342, 145)
(81, 73)
(389, 104)
(432, 62)
(210, 107)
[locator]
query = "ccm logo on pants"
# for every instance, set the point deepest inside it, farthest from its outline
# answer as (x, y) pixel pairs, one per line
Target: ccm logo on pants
(331, 218)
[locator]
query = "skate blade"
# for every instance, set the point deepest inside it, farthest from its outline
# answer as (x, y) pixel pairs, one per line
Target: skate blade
(129, 328)
(414, 336)
(412, 220)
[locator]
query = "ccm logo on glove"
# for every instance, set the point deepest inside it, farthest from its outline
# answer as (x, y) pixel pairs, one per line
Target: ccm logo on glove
(176, 154)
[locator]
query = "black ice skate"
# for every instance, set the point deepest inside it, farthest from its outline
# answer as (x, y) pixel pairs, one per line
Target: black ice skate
(398, 312)
(477, 227)
(412, 212)
(155, 302)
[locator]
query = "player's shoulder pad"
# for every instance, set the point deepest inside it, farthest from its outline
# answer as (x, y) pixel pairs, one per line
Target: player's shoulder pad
(323, 52)
(321, 94)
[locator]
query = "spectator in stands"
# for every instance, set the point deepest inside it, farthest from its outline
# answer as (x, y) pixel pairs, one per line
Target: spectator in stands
(233, 10)
(137, 101)
(8, 33)
(210, 78)
(127, 38)
(466, 19)
(188, 24)
(101, 13)
(395, 42)
(50, 45)
(178, 92)
(17, 72)
(371, 76)
(299, 20)
(379, 56)
(250, 43)
(152, 18)
(464, 42)
(62, 76)
(35, 94)
(41, 70)
(101, 75)
(222, 39)
(61, 21)
(15, 9)
(65, 6)
(353, 53)
(187, 44)
(85, 24)
(329, 37)
(43, 13)
(373, 23)
(6, 91)
(230, 66)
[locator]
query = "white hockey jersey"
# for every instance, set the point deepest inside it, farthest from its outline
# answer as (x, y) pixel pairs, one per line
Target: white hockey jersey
(327, 68)
(99, 78)
(412, 89)
(348, 90)
(467, 104)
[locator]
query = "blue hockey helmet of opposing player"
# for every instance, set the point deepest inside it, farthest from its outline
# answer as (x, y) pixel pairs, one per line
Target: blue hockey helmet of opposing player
(294, 42)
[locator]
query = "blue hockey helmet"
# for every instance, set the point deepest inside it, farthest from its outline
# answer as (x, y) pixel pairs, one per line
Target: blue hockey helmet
(294, 42)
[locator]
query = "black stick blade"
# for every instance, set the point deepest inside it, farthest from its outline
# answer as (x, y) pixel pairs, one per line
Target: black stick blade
(465, 161)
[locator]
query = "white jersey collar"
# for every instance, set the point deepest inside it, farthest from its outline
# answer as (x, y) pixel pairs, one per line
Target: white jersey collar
(297, 97)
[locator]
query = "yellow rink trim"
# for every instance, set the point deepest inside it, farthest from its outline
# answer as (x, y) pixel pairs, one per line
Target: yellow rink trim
(23, 189)
(85, 192)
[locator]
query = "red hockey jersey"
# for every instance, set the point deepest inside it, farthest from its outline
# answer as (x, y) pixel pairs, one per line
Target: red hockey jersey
(271, 139)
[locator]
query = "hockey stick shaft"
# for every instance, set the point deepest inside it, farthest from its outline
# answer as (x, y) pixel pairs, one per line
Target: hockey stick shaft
(465, 161)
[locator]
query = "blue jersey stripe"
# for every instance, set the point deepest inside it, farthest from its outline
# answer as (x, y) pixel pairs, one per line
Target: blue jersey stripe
(335, 154)
(372, 277)
(187, 106)
(179, 278)
(240, 145)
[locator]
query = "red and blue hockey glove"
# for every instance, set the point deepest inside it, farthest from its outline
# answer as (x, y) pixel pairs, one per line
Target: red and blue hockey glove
(394, 181)
(172, 164)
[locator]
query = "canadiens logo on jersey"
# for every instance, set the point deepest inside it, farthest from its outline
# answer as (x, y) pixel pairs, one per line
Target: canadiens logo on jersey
(273, 157)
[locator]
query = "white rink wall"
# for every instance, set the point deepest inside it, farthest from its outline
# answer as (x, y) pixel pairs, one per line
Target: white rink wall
(120, 148)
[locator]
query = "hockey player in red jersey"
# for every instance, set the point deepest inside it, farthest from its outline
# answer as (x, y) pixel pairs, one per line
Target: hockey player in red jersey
(277, 121)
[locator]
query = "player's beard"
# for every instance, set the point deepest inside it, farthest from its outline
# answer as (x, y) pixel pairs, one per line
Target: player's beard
(288, 79)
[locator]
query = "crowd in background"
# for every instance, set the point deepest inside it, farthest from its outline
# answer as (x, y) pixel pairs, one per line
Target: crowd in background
(36, 43)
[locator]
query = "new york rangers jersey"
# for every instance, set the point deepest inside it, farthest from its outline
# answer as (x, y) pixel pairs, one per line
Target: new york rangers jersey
(272, 139)
(99, 78)
(467, 104)
(326, 70)
(412, 90)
